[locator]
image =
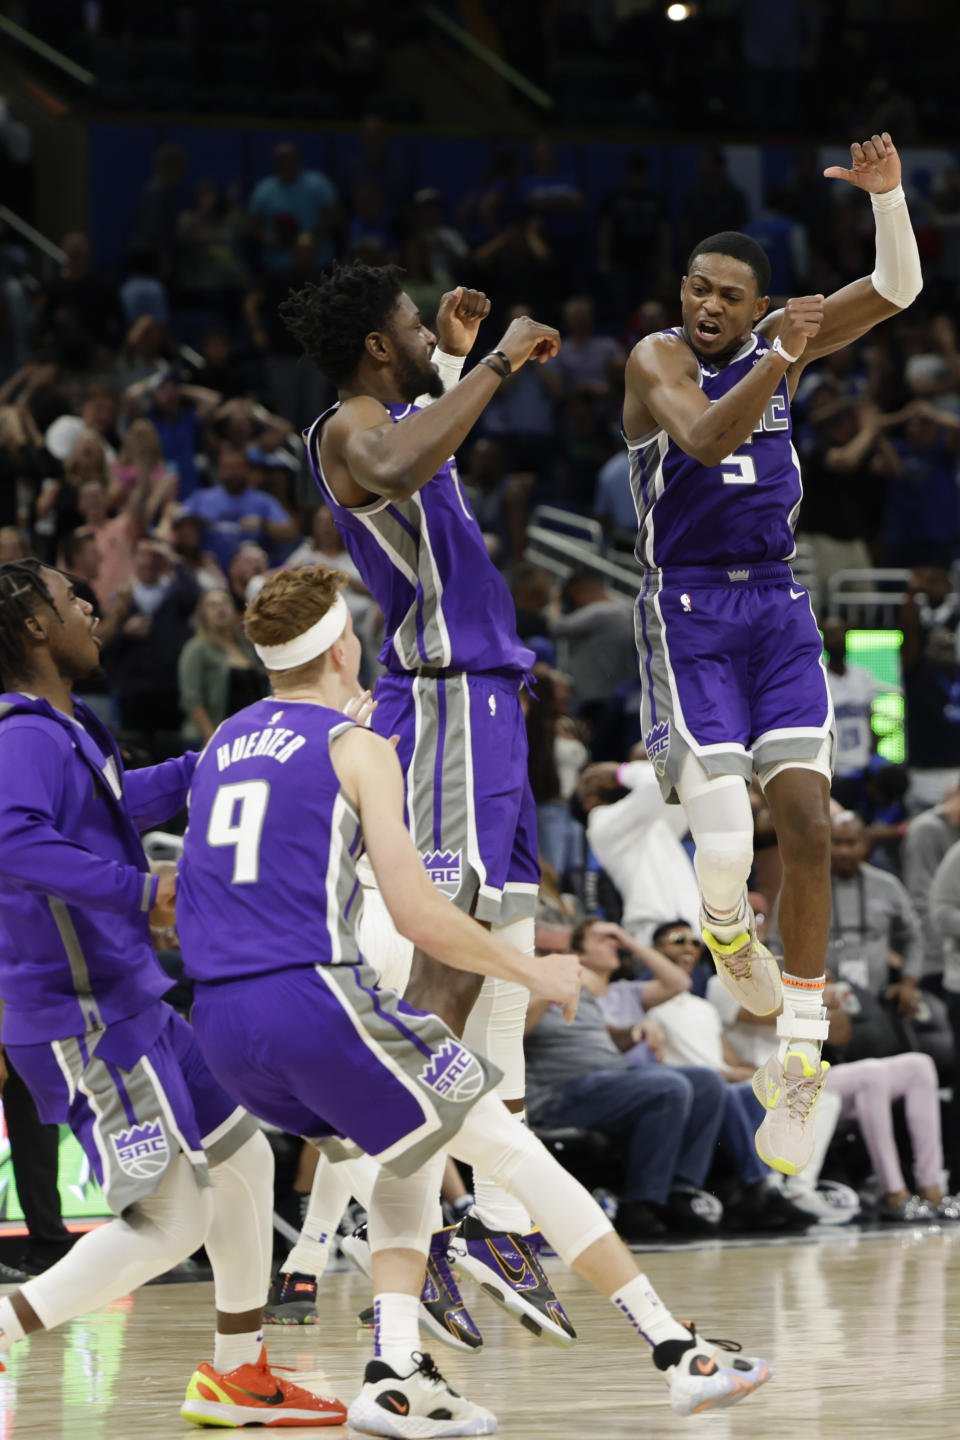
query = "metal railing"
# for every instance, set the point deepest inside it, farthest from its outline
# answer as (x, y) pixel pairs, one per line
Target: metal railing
(494, 62)
(39, 48)
(867, 598)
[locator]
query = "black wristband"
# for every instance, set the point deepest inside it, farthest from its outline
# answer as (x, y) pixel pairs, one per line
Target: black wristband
(494, 364)
(505, 359)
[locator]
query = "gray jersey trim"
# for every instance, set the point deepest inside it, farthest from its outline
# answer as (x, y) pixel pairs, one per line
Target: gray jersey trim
(79, 973)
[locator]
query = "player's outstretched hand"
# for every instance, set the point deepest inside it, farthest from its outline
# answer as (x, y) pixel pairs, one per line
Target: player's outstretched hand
(361, 707)
(164, 912)
(875, 166)
(526, 339)
(557, 978)
(458, 319)
(802, 318)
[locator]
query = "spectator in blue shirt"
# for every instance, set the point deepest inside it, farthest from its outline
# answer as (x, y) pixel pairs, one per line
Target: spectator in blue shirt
(179, 413)
(923, 502)
(613, 501)
(235, 512)
(288, 202)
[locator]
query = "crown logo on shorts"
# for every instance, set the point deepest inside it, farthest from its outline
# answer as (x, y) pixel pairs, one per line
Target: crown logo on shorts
(142, 1150)
(453, 1073)
(739, 574)
(443, 866)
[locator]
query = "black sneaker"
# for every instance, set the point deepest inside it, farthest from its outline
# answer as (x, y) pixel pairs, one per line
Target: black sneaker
(292, 1300)
(692, 1212)
(636, 1221)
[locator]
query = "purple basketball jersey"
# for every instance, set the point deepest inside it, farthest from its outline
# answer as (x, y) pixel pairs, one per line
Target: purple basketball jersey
(249, 902)
(742, 511)
(425, 562)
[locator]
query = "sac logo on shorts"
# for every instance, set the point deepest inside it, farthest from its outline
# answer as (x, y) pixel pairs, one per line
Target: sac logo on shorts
(657, 745)
(453, 1073)
(443, 866)
(142, 1151)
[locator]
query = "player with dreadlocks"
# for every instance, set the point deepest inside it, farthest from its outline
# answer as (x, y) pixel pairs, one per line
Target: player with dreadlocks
(180, 1164)
(382, 457)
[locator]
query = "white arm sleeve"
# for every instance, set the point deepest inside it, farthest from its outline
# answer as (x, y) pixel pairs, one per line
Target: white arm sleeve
(450, 367)
(896, 276)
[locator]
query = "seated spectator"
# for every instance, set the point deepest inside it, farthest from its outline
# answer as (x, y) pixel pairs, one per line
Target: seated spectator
(99, 413)
(598, 648)
(635, 836)
(445, 246)
(668, 1122)
(875, 935)
(532, 590)
(498, 500)
(25, 464)
(586, 360)
(210, 267)
(141, 451)
(929, 837)
(853, 690)
(555, 754)
(325, 547)
(179, 412)
(142, 659)
(685, 1031)
(930, 621)
(287, 203)
(521, 414)
(245, 573)
(185, 534)
(218, 670)
(143, 292)
(235, 512)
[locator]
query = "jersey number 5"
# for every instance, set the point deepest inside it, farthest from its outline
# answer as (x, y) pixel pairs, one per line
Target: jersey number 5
(739, 469)
(236, 818)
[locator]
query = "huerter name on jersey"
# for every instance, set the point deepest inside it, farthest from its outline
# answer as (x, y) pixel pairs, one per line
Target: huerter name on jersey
(278, 744)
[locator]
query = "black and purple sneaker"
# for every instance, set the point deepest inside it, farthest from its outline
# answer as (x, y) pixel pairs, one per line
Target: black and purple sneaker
(508, 1268)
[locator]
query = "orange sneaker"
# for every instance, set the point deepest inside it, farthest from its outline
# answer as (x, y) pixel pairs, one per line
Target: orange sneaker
(254, 1395)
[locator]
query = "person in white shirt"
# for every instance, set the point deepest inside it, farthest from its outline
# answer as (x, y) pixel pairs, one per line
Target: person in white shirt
(635, 837)
(853, 691)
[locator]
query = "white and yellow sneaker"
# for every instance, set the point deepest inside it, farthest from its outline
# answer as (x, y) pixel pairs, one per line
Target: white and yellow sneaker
(747, 970)
(788, 1090)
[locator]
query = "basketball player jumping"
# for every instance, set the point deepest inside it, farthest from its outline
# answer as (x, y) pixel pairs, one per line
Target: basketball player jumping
(292, 1020)
(455, 666)
(180, 1164)
(730, 654)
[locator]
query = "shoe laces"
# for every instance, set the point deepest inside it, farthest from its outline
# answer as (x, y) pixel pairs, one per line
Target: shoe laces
(427, 1367)
(733, 1346)
(740, 963)
(802, 1092)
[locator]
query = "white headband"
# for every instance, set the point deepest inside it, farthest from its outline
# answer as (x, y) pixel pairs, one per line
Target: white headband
(309, 643)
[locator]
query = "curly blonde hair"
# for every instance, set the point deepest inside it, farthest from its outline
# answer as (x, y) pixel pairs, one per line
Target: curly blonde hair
(290, 602)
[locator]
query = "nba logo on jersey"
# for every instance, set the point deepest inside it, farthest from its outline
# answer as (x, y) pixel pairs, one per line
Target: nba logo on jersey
(686, 602)
(453, 1073)
(657, 744)
(142, 1151)
(443, 867)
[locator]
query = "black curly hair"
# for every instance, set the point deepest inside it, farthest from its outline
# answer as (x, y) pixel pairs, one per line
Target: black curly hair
(22, 589)
(333, 318)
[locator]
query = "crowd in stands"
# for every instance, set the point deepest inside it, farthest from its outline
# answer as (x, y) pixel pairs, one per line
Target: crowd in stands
(150, 443)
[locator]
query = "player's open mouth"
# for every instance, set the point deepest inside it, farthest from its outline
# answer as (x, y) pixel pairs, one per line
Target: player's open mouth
(707, 331)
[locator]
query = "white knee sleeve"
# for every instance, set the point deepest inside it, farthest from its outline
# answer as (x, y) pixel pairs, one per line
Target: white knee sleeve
(152, 1236)
(404, 1212)
(494, 1026)
(239, 1241)
(381, 943)
(721, 822)
(490, 1139)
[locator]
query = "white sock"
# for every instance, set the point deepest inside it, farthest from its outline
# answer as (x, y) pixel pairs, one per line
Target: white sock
(802, 1000)
(10, 1328)
(396, 1331)
(727, 924)
(647, 1313)
(310, 1254)
(232, 1351)
(496, 1207)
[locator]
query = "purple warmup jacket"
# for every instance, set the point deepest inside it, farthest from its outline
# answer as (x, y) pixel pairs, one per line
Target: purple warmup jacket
(75, 887)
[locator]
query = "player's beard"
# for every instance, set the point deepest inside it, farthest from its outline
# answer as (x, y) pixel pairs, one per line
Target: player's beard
(416, 379)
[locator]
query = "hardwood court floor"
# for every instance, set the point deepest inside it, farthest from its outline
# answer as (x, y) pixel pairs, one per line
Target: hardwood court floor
(863, 1334)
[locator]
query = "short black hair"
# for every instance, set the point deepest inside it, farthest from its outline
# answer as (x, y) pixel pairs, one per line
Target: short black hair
(332, 319)
(73, 543)
(22, 589)
(669, 925)
(740, 247)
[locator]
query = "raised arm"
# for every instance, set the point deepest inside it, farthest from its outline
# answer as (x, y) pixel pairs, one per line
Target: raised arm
(896, 280)
(365, 453)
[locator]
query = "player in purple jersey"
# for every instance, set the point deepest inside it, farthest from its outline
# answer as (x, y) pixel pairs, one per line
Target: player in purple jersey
(730, 655)
(382, 456)
(180, 1164)
(292, 1019)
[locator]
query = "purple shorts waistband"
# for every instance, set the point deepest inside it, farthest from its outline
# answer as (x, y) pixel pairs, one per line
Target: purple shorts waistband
(718, 576)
